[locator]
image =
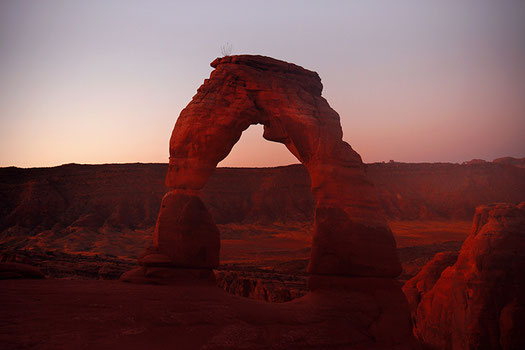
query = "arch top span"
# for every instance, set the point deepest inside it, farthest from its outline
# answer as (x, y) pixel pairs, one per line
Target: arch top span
(351, 237)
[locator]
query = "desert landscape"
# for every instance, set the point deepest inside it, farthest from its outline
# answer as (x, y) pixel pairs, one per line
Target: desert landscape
(79, 227)
(265, 221)
(380, 207)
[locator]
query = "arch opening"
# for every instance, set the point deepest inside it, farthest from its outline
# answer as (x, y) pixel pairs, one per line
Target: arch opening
(253, 151)
(264, 211)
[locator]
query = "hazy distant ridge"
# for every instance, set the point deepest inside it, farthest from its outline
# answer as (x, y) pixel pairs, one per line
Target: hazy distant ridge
(128, 195)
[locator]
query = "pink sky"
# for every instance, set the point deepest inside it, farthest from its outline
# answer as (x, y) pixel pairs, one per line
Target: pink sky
(104, 81)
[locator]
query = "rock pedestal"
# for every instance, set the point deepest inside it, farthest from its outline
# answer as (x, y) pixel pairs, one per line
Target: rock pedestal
(185, 231)
(186, 243)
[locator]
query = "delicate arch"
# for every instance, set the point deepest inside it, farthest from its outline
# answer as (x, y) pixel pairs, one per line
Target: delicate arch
(351, 236)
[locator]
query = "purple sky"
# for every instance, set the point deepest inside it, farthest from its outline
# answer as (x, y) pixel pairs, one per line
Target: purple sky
(104, 81)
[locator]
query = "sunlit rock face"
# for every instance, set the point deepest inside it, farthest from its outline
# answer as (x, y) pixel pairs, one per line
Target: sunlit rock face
(351, 237)
(479, 301)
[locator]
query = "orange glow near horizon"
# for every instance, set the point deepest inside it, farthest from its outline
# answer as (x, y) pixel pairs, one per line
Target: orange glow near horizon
(252, 150)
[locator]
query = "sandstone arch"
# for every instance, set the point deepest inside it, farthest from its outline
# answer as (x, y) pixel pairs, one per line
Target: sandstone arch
(351, 238)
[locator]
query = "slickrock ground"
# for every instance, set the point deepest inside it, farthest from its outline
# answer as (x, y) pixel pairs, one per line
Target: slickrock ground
(88, 314)
(478, 301)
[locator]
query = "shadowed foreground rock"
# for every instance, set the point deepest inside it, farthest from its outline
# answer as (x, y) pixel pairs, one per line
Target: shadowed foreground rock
(479, 301)
(423, 282)
(90, 314)
(13, 270)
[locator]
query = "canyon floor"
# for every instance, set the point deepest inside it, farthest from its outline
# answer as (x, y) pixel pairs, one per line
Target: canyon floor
(271, 258)
(286, 248)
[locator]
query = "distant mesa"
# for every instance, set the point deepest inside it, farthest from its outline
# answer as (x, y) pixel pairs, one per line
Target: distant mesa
(519, 162)
(44, 202)
(475, 161)
(478, 301)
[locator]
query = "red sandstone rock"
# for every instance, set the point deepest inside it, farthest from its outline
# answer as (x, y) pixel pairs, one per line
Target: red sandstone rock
(261, 286)
(351, 236)
(185, 231)
(423, 282)
(479, 302)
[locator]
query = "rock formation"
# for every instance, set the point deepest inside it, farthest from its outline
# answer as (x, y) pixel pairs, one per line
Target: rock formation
(443, 190)
(519, 162)
(416, 288)
(353, 261)
(478, 302)
(268, 287)
(351, 237)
